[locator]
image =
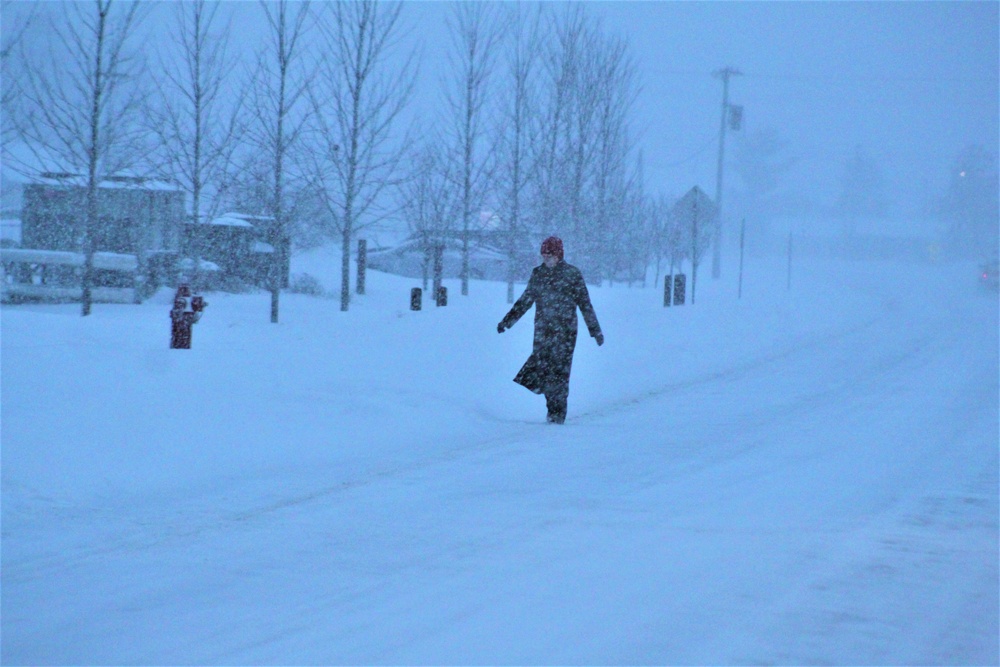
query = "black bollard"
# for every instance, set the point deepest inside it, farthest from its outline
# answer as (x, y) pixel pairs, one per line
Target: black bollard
(416, 296)
(442, 296)
(680, 282)
(666, 290)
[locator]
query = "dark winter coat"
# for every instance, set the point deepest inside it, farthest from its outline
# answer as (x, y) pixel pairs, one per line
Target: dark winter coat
(556, 293)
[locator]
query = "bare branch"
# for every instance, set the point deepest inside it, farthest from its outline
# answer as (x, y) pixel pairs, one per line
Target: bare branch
(356, 147)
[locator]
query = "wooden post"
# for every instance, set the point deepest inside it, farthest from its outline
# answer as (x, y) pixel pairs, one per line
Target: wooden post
(789, 285)
(743, 226)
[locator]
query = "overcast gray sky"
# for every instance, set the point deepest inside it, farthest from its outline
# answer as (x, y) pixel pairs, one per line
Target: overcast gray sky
(912, 83)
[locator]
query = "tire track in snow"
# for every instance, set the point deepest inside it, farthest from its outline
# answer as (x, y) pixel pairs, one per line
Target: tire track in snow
(150, 527)
(734, 372)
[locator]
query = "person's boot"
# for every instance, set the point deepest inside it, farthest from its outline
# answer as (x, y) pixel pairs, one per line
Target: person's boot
(552, 407)
(555, 403)
(556, 417)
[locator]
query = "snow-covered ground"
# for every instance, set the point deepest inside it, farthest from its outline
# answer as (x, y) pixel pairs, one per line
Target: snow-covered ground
(804, 476)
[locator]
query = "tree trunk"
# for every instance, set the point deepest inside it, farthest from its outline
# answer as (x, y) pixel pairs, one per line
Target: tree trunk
(92, 157)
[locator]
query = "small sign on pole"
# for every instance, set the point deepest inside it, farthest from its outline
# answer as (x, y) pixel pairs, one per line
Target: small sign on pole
(697, 211)
(735, 117)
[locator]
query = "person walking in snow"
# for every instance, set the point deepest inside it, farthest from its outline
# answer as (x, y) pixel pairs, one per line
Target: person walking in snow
(556, 289)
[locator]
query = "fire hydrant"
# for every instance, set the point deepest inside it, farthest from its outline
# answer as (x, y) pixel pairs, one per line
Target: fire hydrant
(183, 317)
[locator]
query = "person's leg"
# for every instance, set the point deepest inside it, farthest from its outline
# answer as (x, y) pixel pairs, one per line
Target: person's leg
(557, 359)
(556, 399)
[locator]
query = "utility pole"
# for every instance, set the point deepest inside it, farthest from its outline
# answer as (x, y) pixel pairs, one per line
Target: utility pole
(723, 74)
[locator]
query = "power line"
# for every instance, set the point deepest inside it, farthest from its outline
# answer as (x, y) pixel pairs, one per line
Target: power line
(704, 147)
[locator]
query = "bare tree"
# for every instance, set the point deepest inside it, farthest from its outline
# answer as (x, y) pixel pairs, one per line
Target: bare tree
(672, 235)
(279, 85)
(568, 130)
(195, 118)
(356, 150)
(627, 248)
(581, 133)
(660, 233)
(617, 193)
(81, 97)
(585, 182)
(15, 29)
(428, 200)
(519, 133)
(476, 32)
(559, 72)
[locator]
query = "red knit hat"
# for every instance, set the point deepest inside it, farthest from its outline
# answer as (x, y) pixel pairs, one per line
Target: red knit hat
(552, 246)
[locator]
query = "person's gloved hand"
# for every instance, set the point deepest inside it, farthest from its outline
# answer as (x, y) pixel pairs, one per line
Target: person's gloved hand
(501, 328)
(599, 338)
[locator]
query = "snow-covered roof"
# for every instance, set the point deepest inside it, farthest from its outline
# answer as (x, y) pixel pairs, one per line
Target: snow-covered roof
(249, 217)
(187, 264)
(236, 219)
(41, 256)
(102, 260)
(118, 182)
(229, 221)
(416, 245)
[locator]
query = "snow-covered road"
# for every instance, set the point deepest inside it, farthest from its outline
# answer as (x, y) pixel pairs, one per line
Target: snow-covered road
(822, 494)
